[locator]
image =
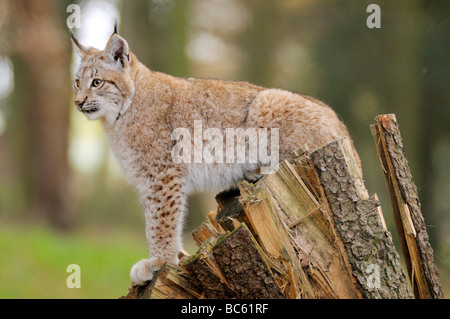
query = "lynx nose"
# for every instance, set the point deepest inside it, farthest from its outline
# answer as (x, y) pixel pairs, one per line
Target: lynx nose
(79, 104)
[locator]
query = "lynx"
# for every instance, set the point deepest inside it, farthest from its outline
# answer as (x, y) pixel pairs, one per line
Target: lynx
(140, 109)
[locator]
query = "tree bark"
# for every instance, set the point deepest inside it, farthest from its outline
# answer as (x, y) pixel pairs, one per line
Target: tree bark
(408, 217)
(39, 130)
(207, 274)
(243, 263)
(368, 245)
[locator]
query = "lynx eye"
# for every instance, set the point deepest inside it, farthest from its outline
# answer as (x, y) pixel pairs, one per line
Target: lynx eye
(96, 83)
(77, 84)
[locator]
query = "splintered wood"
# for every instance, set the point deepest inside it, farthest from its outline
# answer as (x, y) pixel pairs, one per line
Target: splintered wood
(309, 230)
(408, 217)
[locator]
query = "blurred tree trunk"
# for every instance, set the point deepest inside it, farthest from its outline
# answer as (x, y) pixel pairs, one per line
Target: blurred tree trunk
(135, 27)
(156, 32)
(260, 42)
(386, 61)
(435, 114)
(403, 89)
(39, 118)
(406, 96)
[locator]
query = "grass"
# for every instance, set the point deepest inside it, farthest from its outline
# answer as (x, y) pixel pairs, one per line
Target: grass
(34, 260)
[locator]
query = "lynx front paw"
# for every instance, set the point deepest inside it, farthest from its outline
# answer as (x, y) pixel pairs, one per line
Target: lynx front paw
(145, 269)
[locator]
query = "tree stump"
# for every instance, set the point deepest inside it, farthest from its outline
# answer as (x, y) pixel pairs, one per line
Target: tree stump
(308, 231)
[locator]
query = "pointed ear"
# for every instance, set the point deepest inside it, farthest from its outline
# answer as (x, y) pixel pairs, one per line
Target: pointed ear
(81, 49)
(117, 51)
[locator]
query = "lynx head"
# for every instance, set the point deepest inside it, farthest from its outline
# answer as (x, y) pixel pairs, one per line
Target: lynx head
(104, 82)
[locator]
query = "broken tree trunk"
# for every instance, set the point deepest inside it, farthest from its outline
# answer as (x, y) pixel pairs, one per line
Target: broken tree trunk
(408, 217)
(360, 225)
(310, 230)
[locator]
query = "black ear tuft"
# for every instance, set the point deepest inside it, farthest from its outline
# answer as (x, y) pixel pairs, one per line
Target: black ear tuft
(116, 26)
(75, 41)
(82, 50)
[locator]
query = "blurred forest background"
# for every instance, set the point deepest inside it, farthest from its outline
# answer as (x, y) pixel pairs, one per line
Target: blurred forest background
(63, 199)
